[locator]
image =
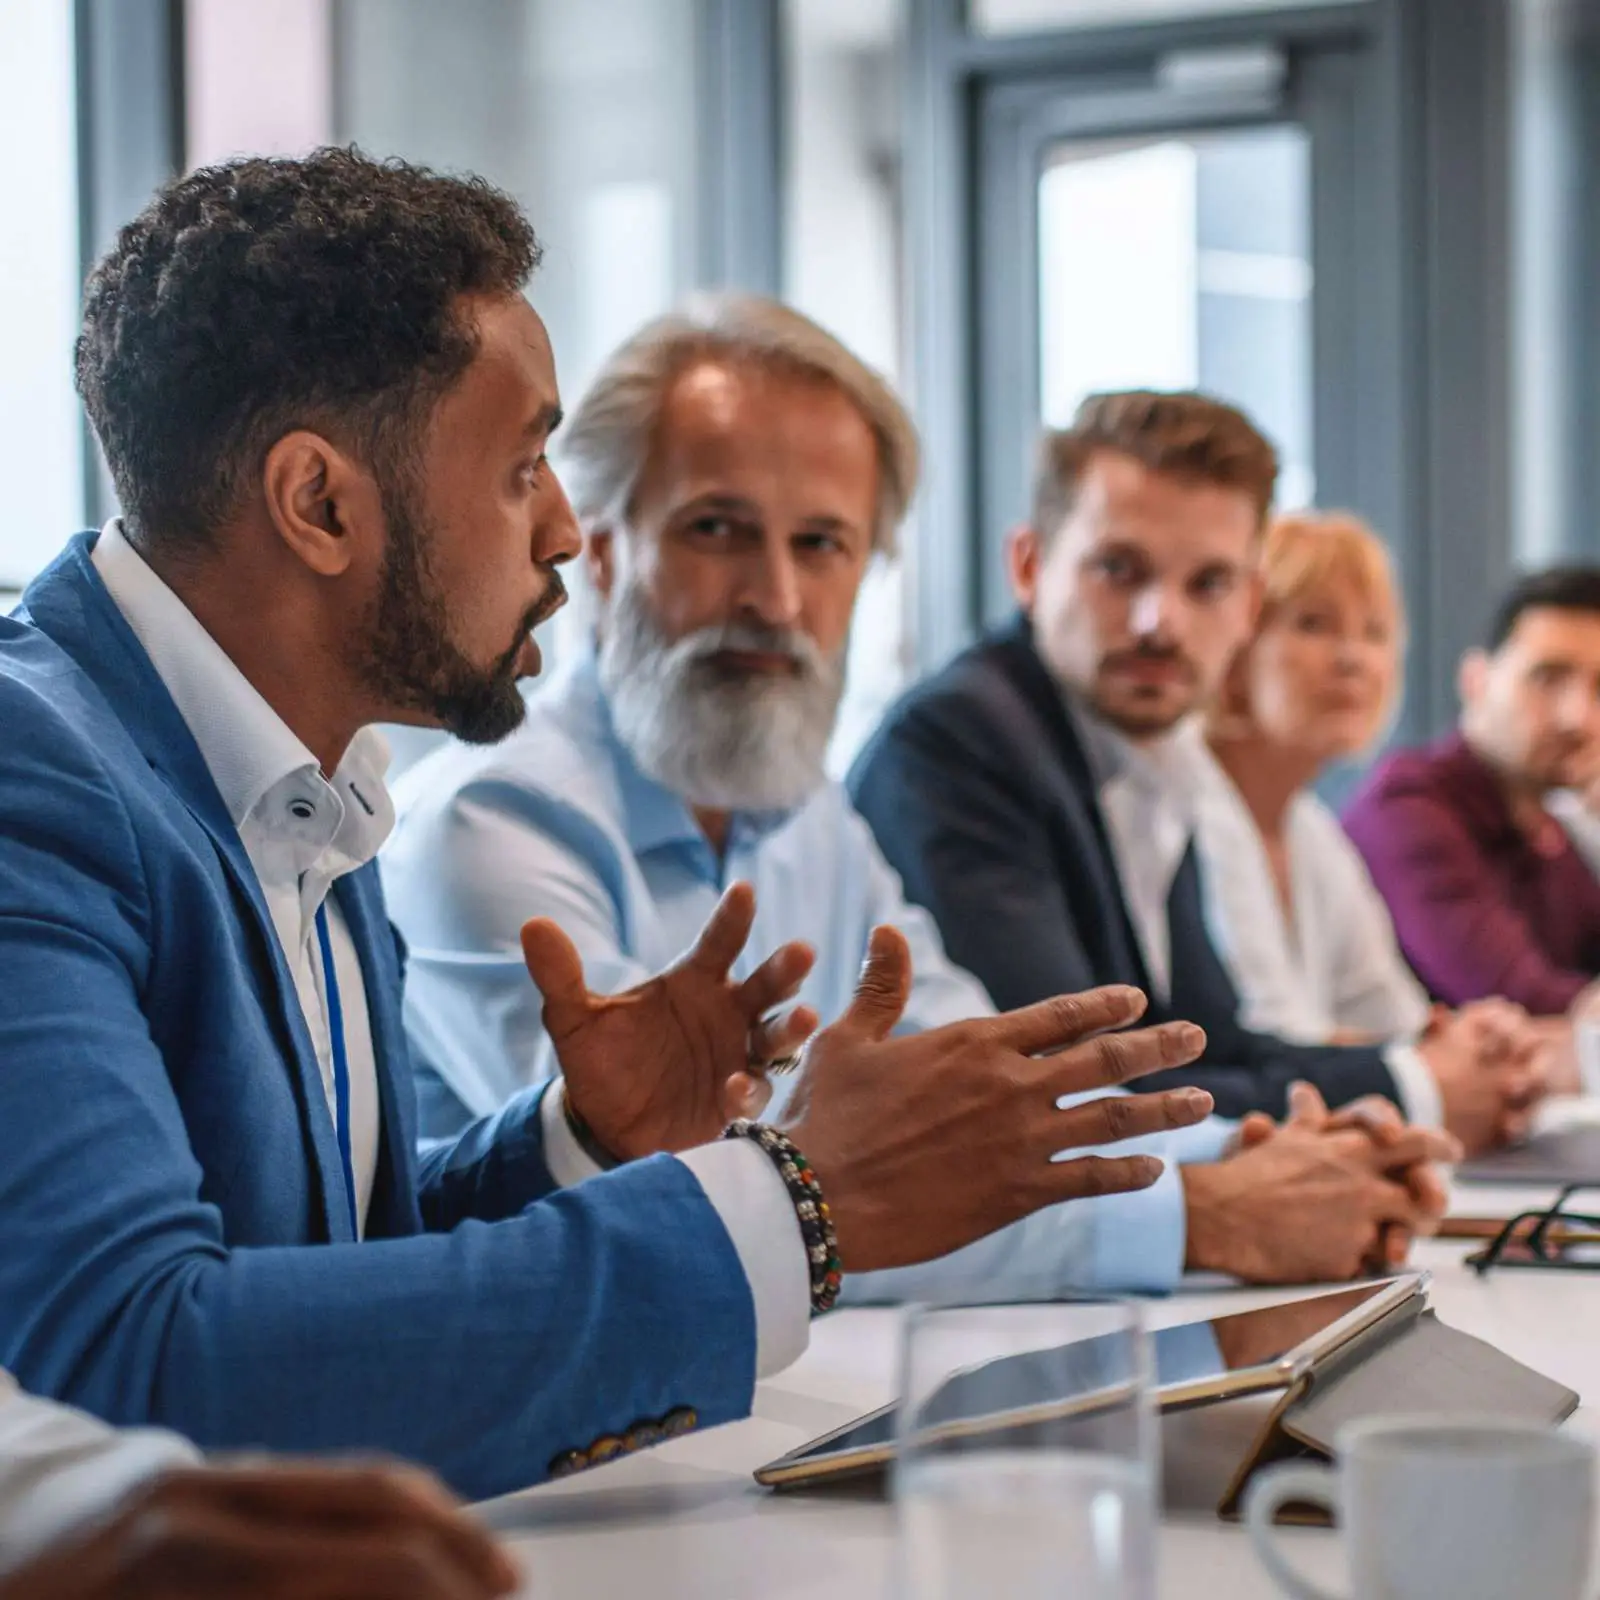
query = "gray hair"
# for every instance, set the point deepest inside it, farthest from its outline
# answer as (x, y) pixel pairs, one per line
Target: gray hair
(606, 443)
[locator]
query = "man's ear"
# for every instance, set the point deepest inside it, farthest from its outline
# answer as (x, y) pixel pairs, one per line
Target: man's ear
(320, 501)
(1024, 556)
(1471, 676)
(600, 560)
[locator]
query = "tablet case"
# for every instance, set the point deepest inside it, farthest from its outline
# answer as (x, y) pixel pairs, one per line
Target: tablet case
(1409, 1363)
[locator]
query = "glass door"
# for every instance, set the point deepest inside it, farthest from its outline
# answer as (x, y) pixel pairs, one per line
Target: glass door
(1182, 261)
(1186, 222)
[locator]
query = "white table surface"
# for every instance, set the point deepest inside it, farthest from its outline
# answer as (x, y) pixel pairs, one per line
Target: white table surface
(686, 1522)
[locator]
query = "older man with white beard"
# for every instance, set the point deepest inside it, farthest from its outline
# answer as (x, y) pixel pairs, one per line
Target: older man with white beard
(736, 470)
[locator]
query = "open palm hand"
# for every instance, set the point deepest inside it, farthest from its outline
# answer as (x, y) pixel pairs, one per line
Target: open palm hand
(667, 1064)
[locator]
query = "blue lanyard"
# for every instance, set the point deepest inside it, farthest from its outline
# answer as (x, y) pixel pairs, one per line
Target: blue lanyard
(341, 1066)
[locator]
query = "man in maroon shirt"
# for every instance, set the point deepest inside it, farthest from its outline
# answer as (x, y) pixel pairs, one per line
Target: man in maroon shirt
(1488, 895)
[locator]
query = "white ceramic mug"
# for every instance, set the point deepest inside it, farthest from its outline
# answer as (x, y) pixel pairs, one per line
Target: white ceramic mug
(1472, 1509)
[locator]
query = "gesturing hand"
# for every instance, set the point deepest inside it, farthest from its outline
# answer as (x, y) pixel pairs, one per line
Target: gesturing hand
(667, 1065)
(926, 1142)
(286, 1532)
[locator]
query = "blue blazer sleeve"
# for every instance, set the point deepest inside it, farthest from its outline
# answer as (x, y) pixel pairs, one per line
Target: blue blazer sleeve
(135, 1282)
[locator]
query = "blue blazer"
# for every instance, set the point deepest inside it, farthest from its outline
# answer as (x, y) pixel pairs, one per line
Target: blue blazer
(174, 1246)
(980, 794)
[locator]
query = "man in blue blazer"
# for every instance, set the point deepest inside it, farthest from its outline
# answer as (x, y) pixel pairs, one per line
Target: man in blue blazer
(325, 405)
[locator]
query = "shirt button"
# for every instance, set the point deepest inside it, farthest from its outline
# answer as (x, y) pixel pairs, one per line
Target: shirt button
(302, 809)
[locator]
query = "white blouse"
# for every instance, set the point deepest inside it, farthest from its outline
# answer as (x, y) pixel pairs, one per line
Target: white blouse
(1338, 968)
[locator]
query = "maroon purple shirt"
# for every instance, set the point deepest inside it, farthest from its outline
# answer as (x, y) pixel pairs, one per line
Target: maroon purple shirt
(1480, 908)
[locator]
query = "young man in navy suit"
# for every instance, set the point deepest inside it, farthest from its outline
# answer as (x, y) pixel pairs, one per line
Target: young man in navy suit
(1033, 796)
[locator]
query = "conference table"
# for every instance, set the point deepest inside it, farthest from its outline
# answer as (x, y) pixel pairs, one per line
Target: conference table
(686, 1522)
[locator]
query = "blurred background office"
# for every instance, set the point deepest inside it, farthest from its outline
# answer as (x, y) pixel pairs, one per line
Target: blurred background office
(1375, 224)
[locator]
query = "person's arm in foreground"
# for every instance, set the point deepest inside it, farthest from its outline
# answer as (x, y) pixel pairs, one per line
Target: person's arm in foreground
(282, 1532)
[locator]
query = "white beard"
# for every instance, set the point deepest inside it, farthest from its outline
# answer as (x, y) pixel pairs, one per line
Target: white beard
(718, 740)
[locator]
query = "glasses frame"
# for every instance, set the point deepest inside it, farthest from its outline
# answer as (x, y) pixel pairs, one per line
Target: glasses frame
(1538, 1239)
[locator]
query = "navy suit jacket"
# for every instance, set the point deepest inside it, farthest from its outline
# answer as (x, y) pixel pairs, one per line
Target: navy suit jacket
(174, 1246)
(980, 794)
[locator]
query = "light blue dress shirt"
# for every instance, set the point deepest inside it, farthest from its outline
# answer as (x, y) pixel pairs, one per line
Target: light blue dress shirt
(558, 821)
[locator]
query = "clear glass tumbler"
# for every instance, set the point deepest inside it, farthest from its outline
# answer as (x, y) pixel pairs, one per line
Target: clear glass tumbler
(1027, 1453)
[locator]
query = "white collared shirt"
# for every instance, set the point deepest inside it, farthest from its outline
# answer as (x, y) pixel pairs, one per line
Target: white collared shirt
(301, 832)
(1144, 799)
(1149, 797)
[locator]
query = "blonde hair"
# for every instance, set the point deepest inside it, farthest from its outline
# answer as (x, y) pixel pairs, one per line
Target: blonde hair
(604, 447)
(1303, 552)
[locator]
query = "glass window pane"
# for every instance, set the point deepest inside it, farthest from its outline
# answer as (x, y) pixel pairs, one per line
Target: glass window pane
(842, 266)
(587, 113)
(1175, 263)
(1038, 16)
(41, 459)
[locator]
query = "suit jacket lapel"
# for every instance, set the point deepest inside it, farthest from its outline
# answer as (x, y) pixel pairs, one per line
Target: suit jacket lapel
(393, 1211)
(70, 604)
(1031, 679)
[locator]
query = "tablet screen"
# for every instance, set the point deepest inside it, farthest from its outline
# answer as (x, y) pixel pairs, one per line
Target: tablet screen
(1191, 1353)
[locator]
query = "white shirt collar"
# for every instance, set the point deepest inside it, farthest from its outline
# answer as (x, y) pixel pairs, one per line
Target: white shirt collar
(249, 749)
(1164, 765)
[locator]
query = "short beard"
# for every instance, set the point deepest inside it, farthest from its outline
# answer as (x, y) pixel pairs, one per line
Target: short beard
(406, 657)
(722, 740)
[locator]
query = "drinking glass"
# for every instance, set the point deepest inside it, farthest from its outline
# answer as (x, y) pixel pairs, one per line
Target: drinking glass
(1026, 1453)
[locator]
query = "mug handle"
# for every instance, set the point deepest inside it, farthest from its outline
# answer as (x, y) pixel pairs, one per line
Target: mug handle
(1268, 1494)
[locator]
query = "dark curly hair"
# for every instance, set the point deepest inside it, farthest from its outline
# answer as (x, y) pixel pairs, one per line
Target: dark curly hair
(263, 295)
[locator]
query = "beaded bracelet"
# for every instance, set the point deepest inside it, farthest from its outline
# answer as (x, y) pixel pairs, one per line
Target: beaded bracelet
(583, 1136)
(816, 1225)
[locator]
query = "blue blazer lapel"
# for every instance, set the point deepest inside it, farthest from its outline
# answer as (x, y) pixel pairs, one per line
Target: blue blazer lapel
(394, 1211)
(70, 604)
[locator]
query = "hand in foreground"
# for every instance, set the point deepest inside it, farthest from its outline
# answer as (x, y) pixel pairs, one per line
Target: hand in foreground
(1487, 1064)
(1325, 1197)
(286, 1532)
(667, 1065)
(926, 1142)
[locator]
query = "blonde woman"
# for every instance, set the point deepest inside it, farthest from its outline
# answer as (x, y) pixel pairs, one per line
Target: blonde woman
(1306, 937)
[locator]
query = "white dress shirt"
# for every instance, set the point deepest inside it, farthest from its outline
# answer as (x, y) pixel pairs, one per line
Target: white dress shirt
(1153, 797)
(59, 1468)
(559, 821)
(1333, 965)
(303, 831)
(1145, 800)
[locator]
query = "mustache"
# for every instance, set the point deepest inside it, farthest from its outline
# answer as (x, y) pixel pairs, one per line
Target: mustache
(1145, 651)
(704, 645)
(550, 602)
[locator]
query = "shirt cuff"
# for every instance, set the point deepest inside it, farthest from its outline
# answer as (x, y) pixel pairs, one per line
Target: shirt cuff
(1142, 1238)
(749, 1196)
(1211, 1140)
(1415, 1085)
(563, 1155)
